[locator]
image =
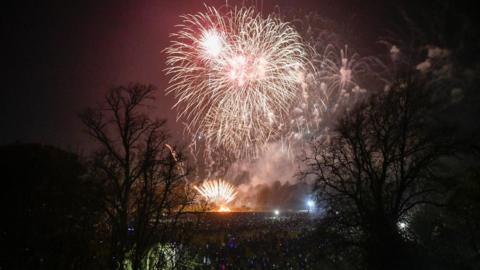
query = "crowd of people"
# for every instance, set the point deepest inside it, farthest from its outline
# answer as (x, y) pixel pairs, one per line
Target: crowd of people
(253, 241)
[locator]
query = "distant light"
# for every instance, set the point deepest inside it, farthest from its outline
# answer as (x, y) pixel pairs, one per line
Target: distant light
(402, 225)
(276, 212)
(310, 203)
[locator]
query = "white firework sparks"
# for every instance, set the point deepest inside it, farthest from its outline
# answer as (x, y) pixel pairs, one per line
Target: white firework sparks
(328, 91)
(235, 76)
(217, 191)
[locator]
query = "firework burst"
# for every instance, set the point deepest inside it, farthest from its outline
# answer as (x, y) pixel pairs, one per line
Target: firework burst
(333, 87)
(217, 191)
(235, 75)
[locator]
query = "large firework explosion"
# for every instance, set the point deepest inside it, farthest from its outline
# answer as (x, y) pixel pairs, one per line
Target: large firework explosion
(235, 75)
(235, 99)
(217, 191)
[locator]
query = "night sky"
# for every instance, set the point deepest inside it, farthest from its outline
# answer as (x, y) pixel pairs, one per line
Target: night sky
(62, 56)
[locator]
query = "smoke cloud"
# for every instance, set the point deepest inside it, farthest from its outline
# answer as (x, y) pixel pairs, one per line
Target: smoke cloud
(270, 181)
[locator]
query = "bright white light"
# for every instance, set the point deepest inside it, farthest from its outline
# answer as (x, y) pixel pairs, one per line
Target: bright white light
(276, 212)
(212, 43)
(402, 225)
(310, 203)
(217, 191)
(224, 209)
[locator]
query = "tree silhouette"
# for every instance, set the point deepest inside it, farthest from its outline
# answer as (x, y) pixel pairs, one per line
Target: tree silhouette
(144, 178)
(376, 169)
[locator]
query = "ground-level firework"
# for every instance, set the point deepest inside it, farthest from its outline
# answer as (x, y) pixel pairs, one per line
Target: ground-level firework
(235, 75)
(218, 192)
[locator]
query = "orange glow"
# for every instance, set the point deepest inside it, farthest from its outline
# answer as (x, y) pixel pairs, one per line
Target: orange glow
(224, 209)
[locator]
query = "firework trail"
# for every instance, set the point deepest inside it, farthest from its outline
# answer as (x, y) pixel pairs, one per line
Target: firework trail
(235, 76)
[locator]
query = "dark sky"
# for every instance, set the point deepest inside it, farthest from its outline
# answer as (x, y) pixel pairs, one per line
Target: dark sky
(61, 56)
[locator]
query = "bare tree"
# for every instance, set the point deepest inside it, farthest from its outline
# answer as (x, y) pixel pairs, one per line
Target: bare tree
(144, 186)
(377, 166)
